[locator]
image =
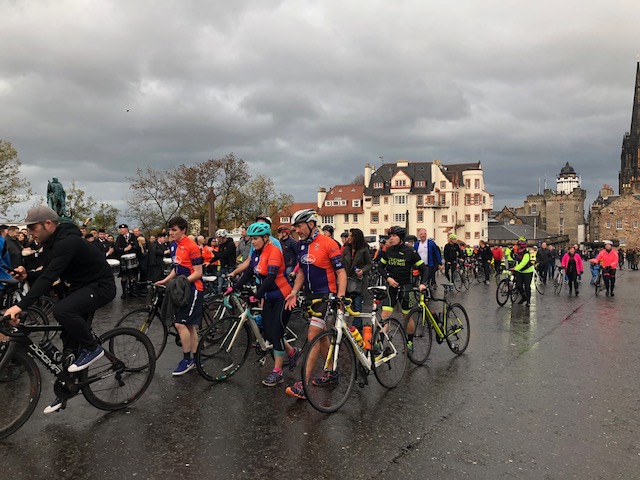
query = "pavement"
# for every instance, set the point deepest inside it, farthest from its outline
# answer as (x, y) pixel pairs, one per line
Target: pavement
(548, 392)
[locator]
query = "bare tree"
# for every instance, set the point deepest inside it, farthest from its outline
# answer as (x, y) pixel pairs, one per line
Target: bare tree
(13, 188)
(155, 197)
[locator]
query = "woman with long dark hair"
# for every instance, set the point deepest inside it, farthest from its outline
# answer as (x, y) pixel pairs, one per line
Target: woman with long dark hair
(356, 259)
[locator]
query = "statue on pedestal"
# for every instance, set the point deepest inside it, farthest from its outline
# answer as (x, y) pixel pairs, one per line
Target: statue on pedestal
(56, 197)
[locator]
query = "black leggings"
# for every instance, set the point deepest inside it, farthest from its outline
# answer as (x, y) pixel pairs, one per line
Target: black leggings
(74, 311)
(609, 276)
(274, 322)
(573, 280)
(523, 284)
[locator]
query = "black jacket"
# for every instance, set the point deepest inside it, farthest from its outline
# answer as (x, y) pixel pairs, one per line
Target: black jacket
(15, 251)
(69, 257)
(226, 254)
(156, 254)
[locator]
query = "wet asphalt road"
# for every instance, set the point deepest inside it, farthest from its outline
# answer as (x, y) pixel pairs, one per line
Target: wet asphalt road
(545, 393)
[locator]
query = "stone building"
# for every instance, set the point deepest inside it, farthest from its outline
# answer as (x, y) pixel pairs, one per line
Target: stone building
(615, 218)
(629, 177)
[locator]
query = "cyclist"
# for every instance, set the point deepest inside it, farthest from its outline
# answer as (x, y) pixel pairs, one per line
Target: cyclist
(608, 259)
(397, 263)
(452, 253)
(523, 271)
(328, 231)
(71, 258)
(245, 263)
(572, 263)
(226, 255)
(267, 265)
(289, 249)
(321, 273)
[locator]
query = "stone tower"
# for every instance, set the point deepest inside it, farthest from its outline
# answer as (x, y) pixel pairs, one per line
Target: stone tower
(629, 178)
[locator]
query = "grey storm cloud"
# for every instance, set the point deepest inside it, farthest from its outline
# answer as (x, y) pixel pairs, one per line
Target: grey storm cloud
(308, 92)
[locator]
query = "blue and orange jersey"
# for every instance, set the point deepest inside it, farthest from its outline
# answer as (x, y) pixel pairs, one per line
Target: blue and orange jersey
(270, 261)
(185, 255)
(319, 261)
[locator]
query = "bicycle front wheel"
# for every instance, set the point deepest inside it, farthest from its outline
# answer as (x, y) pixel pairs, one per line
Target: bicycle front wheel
(599, 283)
(150, 324)
(502, 293)
(456, 279)
(420, 347)
(557, 284)
(457, 328)
(540, 286)
(327, 386)
(222, 349)
(389, 348)
(125, 371)
(20, 386)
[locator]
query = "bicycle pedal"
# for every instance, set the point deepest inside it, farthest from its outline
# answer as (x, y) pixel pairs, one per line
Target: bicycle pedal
(262, 361)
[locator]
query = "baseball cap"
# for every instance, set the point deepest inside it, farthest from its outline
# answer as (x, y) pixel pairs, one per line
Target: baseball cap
(123, 225)
(40, 214)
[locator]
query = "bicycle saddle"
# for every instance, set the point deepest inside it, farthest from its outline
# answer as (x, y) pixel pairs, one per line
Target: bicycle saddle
(447, 286)
(209, 278)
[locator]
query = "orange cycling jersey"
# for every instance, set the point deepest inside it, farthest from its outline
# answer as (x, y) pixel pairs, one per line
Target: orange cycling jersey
(186, 254)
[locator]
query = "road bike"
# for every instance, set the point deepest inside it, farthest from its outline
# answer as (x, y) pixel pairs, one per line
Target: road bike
(113, 382)
(537, 281)
(224, 347)
(460, 277)
(334, 359)
(558, 280)
(452, 325)
(507, 289)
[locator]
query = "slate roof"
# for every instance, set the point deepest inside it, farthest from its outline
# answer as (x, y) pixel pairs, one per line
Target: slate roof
(415, 171)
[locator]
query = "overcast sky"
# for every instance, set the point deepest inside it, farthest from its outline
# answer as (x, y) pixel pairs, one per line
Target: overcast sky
(307, 92)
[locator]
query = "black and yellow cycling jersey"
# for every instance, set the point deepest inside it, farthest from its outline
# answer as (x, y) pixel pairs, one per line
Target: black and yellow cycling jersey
(398, 261)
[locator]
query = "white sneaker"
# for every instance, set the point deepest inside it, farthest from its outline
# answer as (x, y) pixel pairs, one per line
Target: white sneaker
(54, 406)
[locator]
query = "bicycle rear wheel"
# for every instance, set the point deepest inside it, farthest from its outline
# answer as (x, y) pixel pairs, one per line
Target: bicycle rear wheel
(389, 348)
(599, 284)
(456, 279)
(458, 329)
(502, 292)
(34, 316)
(514, 293)
(422, 338)
(464, 276)
(125, 371)
(20, 387)
(326, 388)
(219, 355)
(150, 324)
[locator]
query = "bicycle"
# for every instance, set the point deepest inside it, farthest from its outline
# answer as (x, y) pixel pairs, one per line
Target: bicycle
(537, 281)
(114, 382)
(224, 347)
(599, 281)
(558, 279)
(507, 289)
(452, 325)
(329, 363)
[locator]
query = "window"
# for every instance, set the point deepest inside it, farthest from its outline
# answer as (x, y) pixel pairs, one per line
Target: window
(467, 218)
(455, 199)
(562, 222)
(443, 184)
(635, 224)
(467, 199)
(399, 217)
(346, 218)
(356, 203)
(419, 200)
(577, 208)
(608, 225)
(401, 183)
(327, 219)
(476, 235)
(399, 199)
(443, 199)
(327, 203)
(285, 219)
(444, 219)
(618, 224)
(562, 208)
(420, 184)
(336, 203)
(430, 199)
(386, 200)
(355, 218)
(376, 200)
(476, 217)
(420, 217)
(467, 183)
(386, 218)
(483, 217)
(343, 203)
(476, 183)
(378, 185)
(534, 208)
(467, 236)
(476, 199)
(373, 231)
(375, 217)
(623, 240)
(484, 199)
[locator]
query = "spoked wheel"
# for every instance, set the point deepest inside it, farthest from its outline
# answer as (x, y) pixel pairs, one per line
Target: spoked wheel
(456, 279)
(327, 385)
(599, 284)
(34, 316)
(20, 386)
(514, 292)
(223, 349)
(464, 276)
(458, 329)
(540, 286)
(420, 348)
(502, 293)
(213, 311)
(125, 371)
(148, 323)
(557, 284)
(389, 348)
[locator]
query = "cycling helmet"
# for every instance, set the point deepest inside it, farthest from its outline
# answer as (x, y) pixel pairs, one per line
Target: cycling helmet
(522, 239)
(398, 231)
(265, 217)
(607, 242)
(383, 242)
(344, 235)
(284, 228)
(303, 216)
(258, 229)
(221, 233)
(453, 236)
(328, 228)
(522, 243)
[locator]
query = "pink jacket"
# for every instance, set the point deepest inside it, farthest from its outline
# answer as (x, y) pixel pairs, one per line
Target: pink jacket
(608, 259)
(577, 258)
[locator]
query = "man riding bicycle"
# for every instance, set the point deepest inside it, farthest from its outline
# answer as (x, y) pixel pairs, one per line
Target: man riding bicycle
(452, 254)
(608, 259)
(69, 257)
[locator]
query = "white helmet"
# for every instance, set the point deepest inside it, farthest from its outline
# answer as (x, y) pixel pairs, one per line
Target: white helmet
(221, 233)
(607, 242)
(306, 215)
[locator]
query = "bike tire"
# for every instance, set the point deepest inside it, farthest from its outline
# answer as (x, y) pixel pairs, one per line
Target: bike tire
(557, 284)
(328, 398)
(514, 292)
(390, 372)
(125, 371)
(540, 286)
(598, 285)
(149, 323)
(458, 329)
(456, 279)
(34, 316)
(422, 337)
(502, 292)
(20, 388)
(464, 276)
(213, 361)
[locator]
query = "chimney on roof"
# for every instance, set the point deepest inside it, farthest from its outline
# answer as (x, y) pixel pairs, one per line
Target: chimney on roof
(322, 194)
(403, 163)
(368, 171)
(438, 163)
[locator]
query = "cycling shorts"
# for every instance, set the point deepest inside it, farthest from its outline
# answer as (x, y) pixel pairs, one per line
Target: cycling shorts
(404, 294)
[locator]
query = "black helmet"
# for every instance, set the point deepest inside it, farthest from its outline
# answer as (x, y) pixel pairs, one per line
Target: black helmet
(328, 228)
(399, 231)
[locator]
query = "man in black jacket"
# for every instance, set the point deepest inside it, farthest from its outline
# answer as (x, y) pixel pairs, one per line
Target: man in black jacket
(69, 257)
(226, 254)
(543, 258)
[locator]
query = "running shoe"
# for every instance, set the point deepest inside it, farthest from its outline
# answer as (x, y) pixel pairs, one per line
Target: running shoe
(53, 406)
(273, 379)
(296, 390)
(184, 366)
(86, 358)
(326, 379)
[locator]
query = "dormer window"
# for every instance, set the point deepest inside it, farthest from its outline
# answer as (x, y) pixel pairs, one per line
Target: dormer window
(401, 183)
(378, 185)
